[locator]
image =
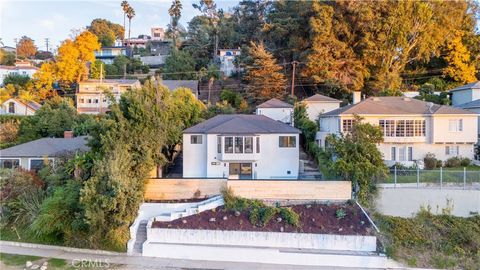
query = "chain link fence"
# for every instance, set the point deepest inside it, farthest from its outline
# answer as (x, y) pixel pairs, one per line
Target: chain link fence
(463, 178)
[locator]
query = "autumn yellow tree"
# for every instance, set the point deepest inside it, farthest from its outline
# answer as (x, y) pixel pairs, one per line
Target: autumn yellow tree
(264, 76)
(26, 47)
(460, 67)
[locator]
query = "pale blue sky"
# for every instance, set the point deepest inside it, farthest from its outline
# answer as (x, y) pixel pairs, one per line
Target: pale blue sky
(54, 19)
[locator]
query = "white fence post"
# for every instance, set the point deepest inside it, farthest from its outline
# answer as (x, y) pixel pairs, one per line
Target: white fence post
(395, 177)
(464, 178)
(441, 177)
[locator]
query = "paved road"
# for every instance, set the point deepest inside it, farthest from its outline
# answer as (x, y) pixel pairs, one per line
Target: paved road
(105, 260)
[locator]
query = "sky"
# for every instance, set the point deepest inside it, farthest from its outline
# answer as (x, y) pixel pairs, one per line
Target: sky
(39, 19)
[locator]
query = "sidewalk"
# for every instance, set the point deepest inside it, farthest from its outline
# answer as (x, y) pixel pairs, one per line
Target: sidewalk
(105, 258)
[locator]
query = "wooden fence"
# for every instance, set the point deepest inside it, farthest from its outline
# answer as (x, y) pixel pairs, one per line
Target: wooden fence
(177, 189)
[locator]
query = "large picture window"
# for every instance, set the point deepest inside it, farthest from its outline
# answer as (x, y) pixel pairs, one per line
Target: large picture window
(402, 128)
(287, 141)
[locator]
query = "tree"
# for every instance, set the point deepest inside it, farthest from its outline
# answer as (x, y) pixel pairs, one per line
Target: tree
(355, 157)
(459, 64)
(264, 76)
(331, 60)
(130, 15)
(125, 6)
(44, 79)
(26, 47)
(179, 65)
(7, 58)
(106, 31)
(175, 12)
(209, 10)
(199, 41)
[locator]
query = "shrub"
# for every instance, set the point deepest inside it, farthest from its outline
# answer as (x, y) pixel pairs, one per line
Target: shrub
(430, 161)
(290, 216)
(465, 162)
(453, 162)
(340, 213)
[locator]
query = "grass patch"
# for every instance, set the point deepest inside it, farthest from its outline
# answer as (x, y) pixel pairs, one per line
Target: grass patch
(16, 260)
(57, 263)
(432, 241)
(19, 234)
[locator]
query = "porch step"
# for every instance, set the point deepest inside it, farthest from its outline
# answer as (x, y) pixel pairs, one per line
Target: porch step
(141, 237)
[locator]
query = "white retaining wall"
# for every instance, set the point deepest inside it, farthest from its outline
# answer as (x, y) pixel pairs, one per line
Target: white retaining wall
(406, 202)
(260, 239)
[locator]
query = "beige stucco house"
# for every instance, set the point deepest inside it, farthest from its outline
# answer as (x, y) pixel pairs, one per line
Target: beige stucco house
(412, 128)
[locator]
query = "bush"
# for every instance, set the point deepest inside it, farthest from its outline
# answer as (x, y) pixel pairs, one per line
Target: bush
(453, 162)
(290, 216)
(465, 162)
(430, 161)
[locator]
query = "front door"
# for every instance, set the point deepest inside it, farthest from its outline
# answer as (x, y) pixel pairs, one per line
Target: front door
(240, 171)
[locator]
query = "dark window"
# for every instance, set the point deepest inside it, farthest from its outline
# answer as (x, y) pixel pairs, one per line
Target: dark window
(9, 163)
(239, 145)
(393, 153)
(248, 145)
(410, 153)
(287, 141)
(228, 145)
(36, 164)
(196, 139)
(219, 144)
(11, 107)
(258, 144)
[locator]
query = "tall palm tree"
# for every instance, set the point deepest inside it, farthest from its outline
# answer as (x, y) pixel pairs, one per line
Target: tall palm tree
(175, 13)
(130, 15)
(125, 7)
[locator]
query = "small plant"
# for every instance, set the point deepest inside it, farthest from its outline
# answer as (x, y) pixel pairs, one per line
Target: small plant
(340, 213)
(290, 216)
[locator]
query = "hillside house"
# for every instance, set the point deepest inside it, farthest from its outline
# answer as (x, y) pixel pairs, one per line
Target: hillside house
(276, 110)
(15, 106)
(319, 104)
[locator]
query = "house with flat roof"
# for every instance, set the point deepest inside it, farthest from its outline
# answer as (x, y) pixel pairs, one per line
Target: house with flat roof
(319, 104)
(92, 95)
(15, 106)
(411, 128)
(240, 146)
(35, 154)
(277, 110)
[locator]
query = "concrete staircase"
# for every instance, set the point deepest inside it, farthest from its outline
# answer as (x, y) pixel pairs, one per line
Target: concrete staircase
(141, 237)
(208, 204)
(310, 168)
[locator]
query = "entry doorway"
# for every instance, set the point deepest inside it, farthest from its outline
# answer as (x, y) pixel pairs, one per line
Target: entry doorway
(240, 171)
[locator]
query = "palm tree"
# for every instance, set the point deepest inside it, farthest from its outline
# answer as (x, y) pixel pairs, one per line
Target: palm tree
(175, 13)
(125, 7)
(130, 15)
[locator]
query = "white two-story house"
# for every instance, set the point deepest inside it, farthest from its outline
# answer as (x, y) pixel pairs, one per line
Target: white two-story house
(319, 104)
(276, 110)
(92, 95)
(240, 146)
(411, 128)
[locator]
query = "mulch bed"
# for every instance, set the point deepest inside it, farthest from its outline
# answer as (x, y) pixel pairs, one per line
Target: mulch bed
(314, 218)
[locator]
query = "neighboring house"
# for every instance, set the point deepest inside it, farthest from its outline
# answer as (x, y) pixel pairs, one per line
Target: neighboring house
(157, 33)
(15, 106)
(465, 93)
(227, 58)
(174, 84)
(412, 128)
(20, 68)
(92, 95)
(139, 42)
(473, 106)
(33, 155)
(240, 146)
(276, 110)
(108, 54)
(319, 104)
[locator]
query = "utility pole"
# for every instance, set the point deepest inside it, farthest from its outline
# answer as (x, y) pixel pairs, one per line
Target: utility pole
(294, 63)
(101, 73)
(47, 40)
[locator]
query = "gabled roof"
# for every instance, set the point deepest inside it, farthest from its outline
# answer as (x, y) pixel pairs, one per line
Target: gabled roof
(395, 105)
(474, 85)
(321, 98)
(275, 103)
(241, 124)
(31, 104)
(46, 147)
(174, 84)
(470, 105)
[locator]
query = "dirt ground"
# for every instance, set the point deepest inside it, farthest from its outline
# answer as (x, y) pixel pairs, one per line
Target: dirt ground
(314, 218)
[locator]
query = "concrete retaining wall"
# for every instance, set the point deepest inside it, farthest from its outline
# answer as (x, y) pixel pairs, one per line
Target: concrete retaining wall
(260, 239)
(182, 188)
(406, 202)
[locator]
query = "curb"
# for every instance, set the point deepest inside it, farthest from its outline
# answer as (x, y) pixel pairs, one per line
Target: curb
(60, 248)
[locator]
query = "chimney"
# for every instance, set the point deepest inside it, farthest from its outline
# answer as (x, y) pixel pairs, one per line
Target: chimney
(357, 97)
(68, 134)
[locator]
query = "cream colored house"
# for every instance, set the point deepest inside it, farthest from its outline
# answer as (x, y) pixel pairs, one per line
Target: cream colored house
(14, 106)
(319, 104)
(412, 128)
(92, 95)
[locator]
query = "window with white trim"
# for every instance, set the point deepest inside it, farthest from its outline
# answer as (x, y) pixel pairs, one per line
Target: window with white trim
(347, 125)
(455, 125)
(7, 163)
(196, 139)
(287, 141)
(452, 150)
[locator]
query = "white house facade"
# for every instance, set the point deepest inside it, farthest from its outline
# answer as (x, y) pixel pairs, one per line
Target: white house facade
(15, 106)
(22, 70)
(227, 58)
(320, 104)
(241, 146)
(276, 110)
(92, 95)
(411, 128)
